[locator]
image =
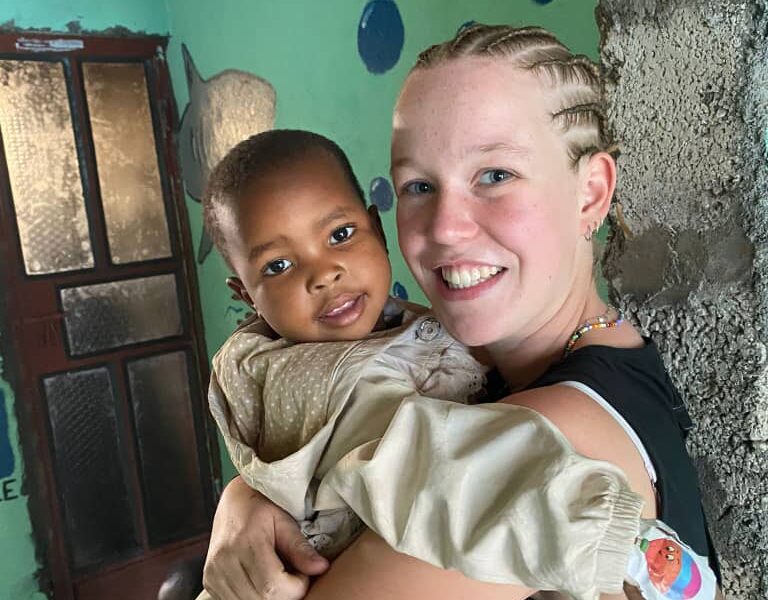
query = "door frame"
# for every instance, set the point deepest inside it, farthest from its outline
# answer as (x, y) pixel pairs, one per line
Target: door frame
(38, 476)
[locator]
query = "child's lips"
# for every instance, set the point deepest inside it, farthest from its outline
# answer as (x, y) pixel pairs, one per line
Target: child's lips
(343, 310)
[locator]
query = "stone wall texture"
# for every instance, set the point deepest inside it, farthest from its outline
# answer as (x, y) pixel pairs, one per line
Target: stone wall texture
(687, 257)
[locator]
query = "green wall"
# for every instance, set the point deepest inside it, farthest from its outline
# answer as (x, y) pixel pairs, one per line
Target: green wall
(308, 51)
(138, 16)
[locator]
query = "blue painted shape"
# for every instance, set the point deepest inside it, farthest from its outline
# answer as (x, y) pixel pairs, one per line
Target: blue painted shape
(542, 1)
(6, 452)
(380, 35)
(464, 26)
(399, 291)
(233, 309)
(381, 194)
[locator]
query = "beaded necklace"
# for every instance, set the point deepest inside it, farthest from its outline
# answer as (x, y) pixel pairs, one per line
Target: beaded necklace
(601, 322)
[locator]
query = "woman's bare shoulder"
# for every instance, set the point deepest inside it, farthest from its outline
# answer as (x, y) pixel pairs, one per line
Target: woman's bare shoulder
(371, 570)
(592, 432)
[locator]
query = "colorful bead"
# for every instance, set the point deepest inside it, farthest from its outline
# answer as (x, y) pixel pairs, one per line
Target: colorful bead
(600, 322)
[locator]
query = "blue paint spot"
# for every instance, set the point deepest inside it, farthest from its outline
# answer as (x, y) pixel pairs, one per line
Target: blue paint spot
(542, 1)
(6, 452)
(399, 291)
(380, 35)
(381, 194)
(233, 310)
(465, 25)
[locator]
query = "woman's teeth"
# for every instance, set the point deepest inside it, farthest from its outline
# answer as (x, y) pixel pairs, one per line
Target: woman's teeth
(464, 277)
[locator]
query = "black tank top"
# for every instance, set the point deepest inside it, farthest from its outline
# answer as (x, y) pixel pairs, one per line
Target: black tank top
(635, 383)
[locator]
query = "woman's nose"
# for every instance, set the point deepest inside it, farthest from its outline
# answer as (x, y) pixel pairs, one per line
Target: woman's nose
(452, 219)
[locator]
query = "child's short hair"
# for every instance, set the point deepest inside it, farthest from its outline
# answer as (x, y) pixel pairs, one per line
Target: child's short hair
(256, 156)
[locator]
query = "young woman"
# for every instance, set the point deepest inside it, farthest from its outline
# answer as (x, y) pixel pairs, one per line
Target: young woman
(500, 160)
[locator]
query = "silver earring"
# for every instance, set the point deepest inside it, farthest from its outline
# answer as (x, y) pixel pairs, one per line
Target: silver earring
(588, 235)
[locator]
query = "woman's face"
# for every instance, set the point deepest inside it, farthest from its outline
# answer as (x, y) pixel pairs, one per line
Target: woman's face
(488, 213)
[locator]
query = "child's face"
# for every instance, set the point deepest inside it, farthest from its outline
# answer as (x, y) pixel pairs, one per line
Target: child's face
(310, 258)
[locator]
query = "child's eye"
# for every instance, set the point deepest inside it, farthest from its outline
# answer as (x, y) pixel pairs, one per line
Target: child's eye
(492, 176)
(275, 267)
(342, 234)
(418, 188)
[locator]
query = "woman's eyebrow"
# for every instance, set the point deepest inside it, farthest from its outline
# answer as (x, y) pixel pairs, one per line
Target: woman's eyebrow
(403, 161)
(511, 148)
(503, 146)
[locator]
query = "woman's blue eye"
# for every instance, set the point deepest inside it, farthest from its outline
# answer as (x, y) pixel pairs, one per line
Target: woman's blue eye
(494, 176)
(418, 188)
(278, 266)
(342, 234)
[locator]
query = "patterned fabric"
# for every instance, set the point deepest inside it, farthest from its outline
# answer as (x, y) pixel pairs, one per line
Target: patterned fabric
(288, 412)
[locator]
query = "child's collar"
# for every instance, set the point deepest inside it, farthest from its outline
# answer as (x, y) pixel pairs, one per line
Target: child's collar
(397, 311)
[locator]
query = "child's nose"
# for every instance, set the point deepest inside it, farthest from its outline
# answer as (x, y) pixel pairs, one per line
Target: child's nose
(325, 277)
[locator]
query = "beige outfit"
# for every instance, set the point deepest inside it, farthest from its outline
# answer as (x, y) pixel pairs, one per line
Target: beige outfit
(492, 490)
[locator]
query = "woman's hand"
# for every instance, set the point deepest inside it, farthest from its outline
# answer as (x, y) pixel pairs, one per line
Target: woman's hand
(249, 532)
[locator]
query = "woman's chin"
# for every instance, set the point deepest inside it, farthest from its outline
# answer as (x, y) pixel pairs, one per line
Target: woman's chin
(468, 329)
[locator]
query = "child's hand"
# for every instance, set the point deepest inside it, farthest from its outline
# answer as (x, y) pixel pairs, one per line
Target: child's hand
(248, 534)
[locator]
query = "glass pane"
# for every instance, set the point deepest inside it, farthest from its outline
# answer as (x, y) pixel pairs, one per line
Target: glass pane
(42, 164)
(89, 470)
(165, 430)
(126, 160)
(107, 315)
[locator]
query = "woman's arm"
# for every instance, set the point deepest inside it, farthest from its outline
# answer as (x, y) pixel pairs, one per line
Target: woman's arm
(592, 432)
(371, 570)
(494, 491)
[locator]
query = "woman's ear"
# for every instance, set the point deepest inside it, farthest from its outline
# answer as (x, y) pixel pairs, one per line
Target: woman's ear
(239, 292)
(373, 214)
(597, 181)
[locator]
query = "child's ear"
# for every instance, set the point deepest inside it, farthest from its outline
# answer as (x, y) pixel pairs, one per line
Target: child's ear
(236, 285)
(373, 213)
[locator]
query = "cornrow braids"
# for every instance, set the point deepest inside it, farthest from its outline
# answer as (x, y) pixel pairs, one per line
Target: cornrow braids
(579, 113)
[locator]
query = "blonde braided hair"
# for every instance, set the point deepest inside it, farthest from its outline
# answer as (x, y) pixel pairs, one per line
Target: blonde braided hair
(580, 115)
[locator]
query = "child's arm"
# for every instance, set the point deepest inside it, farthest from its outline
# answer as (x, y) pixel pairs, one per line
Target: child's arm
(494, 491)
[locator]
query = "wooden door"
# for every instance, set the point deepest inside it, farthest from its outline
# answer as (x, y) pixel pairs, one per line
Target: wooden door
(102, 308)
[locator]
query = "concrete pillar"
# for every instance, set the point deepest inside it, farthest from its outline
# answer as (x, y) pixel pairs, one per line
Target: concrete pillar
(687, 88)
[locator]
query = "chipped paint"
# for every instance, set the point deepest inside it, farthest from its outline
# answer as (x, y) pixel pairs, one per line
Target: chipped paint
(55, 45)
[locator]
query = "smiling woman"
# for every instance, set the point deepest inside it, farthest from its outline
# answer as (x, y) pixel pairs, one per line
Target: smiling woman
(457, 186)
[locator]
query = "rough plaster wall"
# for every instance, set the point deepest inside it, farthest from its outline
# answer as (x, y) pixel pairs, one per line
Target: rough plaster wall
(687, 88)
